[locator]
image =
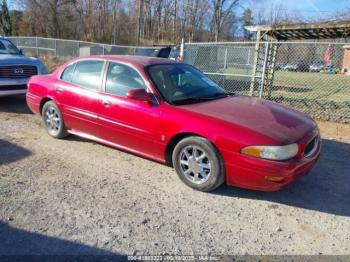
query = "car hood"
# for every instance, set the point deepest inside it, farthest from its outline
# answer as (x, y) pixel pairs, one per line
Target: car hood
(274, 121)
(6, 59)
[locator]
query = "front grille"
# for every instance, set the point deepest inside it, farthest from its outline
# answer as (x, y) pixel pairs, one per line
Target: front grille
(18, 71)
(14, 87)
(311, 147)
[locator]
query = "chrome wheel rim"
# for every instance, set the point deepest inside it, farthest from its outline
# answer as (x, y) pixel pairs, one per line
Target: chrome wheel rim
(52, 119)
(195, 165)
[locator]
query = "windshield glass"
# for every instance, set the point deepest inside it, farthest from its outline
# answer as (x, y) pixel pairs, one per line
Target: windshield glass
(6, 47)
(183, 84)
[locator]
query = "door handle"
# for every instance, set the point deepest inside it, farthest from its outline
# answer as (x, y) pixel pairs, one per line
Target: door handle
(106, 102)
(59, 89)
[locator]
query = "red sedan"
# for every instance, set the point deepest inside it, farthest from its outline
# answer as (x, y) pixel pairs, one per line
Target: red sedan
(172, 113)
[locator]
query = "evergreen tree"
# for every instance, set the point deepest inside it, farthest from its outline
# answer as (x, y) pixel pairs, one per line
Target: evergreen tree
(5, 19)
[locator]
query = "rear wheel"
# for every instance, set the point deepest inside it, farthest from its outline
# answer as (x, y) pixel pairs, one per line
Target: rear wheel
(53, 120)
(198, 163)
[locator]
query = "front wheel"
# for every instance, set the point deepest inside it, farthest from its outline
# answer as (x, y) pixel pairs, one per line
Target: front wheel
(53, 120)
(198, 163)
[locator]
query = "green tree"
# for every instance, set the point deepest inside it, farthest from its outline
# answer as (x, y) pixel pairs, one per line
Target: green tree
(5, 19)
(247, 20)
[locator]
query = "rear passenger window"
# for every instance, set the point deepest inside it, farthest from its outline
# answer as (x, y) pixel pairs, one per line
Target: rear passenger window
(68, 73)
(88, 74)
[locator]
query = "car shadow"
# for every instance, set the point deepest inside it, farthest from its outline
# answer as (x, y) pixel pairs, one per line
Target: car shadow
(326, 189)
(14, 104)
(10, 152)
(21, 245)
(79, 139)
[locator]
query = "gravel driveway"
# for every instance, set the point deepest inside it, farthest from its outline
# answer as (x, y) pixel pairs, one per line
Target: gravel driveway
(74, 196)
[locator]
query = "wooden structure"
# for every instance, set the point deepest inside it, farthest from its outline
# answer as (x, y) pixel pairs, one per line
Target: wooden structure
(287, 32)
(268, 37)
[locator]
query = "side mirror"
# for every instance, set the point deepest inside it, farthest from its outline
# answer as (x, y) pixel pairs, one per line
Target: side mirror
(21, 51)
(139, 94)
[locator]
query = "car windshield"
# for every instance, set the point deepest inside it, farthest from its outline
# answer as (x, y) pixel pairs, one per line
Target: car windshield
(183, 84)
(6, 47)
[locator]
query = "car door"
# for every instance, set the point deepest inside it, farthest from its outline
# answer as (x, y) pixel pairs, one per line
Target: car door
(129, 123)
(78, 95)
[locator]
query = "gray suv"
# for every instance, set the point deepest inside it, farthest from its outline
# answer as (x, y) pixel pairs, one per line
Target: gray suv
(15, 69)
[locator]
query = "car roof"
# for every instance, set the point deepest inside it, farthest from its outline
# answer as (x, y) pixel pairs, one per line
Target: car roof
(136, 60)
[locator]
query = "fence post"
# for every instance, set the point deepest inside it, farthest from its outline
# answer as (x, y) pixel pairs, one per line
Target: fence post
(182, 49)
(225, 59)
(36, 46)
(103, 49)
(264, 70)
(248, 59)
(55, 47)
(78, 50)
(225, 66)
(255, 62)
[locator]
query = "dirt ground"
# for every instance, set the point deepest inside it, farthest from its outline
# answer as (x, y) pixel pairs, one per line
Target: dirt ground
(73, 196)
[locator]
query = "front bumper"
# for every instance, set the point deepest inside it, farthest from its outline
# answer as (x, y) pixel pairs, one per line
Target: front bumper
(9, 86)
(249, 172)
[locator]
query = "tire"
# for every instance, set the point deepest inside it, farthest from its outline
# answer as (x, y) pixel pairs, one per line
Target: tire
(53, 120)
(198, 163)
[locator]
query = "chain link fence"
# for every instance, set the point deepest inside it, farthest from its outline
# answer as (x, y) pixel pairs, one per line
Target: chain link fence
(228, 64)
(313, 77)
(66, 49)
(56, 51)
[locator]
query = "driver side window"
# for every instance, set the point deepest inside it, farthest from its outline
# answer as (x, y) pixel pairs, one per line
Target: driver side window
(122, 78)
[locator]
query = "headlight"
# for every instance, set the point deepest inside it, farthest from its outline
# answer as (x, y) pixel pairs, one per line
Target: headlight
(272, 152)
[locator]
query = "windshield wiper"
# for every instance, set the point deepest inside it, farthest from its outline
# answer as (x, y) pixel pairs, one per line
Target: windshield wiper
(221, 94)
(195, 99)
(192, 99)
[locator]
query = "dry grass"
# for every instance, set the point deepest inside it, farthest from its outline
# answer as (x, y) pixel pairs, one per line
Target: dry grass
(52, 62)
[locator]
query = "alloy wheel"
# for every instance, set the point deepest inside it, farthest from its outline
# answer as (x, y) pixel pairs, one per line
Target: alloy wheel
(195, 164)
(52, 119)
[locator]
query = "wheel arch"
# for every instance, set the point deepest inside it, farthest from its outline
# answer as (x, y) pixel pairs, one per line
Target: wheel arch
(43, 102)
(176, 139)
(173, 142)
